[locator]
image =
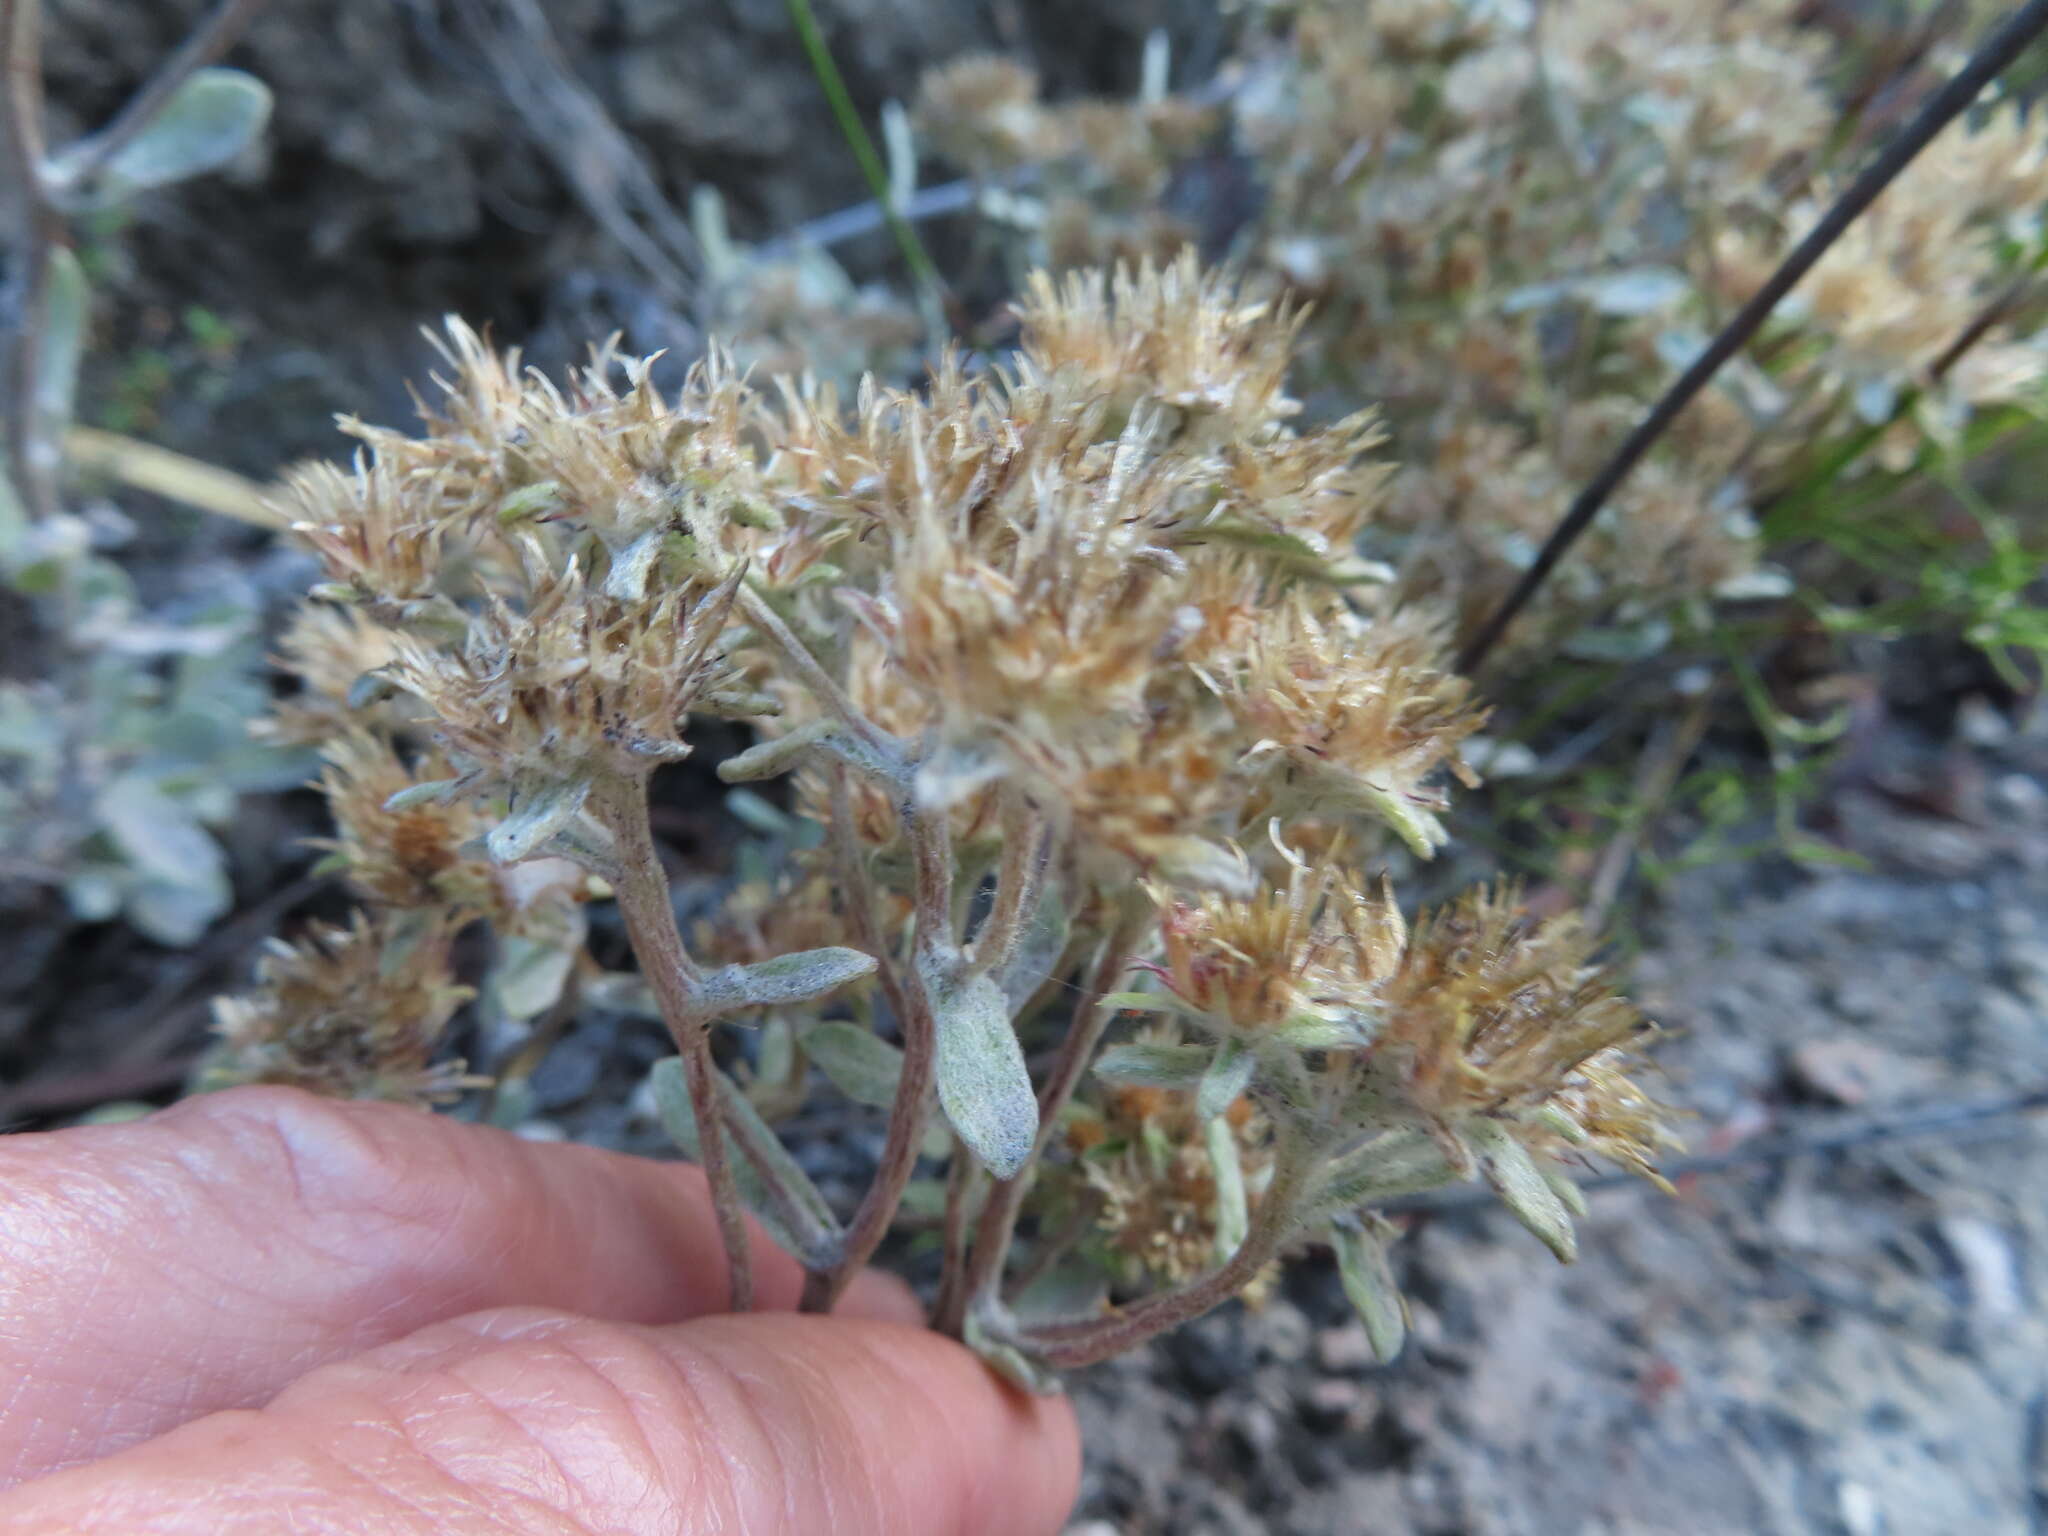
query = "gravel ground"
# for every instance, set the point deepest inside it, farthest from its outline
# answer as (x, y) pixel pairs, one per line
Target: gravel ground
(1851, 1342)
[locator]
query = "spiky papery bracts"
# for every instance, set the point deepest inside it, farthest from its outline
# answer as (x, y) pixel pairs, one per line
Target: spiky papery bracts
(355, 1013)
(578, 682)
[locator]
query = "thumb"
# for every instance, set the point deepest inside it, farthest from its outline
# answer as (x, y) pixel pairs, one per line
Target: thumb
(527, 1420)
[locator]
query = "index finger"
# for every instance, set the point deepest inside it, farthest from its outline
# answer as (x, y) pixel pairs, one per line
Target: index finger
(202, 1258)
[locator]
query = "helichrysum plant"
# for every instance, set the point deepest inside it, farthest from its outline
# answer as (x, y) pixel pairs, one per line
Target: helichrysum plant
(1109, 741)
(1518, 223)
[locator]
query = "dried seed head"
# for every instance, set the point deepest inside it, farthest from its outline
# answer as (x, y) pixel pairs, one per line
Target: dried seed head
(1166, 335)
(577, 683)
(354, 1012)
(1348, 717)
(367, 531)
(1488, 1013)
(409, 856)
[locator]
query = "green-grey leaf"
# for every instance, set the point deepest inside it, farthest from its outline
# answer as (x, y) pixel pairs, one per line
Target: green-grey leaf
(426, 792)
(540, 808)
(1369, 1285)
(1008, 1361)
(1233, 1211)
(766, 759)
(1226, 1076)
(209, 120)
(858, 1063)
(803, 1224)
(528, 976)
(1508, 1166)
(1396, 1164)
(156, 833)
(67, 304)
(627, 579)
(783, 982)
(1154, 1066)
(984, 1086)
(1566, 1189)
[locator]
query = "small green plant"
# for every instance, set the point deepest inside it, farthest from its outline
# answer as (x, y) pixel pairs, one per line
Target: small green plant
(123, 737)
(1105, 741)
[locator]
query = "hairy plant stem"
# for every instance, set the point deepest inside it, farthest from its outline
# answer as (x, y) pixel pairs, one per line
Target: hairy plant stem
(858, 889)
(949, 1307)
(32, 461)
(823, 686)
(1066, 1346)
(620, 803)
(1025, 852)
(998, 1227)
(931, 846)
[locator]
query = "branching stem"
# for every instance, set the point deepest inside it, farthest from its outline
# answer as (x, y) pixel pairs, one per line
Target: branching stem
(931, 847)
(620, 803)
(1065, 1346)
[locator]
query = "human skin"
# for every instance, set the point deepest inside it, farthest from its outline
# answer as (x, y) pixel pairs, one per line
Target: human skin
(259, 1310)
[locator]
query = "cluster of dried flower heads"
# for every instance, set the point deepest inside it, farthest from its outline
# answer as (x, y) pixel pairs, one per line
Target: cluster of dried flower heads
(1098, 722)
(1517, 222)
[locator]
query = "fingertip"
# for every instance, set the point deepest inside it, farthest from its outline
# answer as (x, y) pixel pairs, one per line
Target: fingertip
(923, 1434)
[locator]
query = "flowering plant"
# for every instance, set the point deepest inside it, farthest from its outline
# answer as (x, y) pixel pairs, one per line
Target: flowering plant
(1104, 729)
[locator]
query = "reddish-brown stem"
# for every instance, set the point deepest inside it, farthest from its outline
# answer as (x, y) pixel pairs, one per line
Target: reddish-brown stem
(931, 847)
(620, 803)
(1066, 1346)
(949, 1308)
(1017, 883)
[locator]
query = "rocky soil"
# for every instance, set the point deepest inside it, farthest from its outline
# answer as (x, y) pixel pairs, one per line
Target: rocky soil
(1853, 1342)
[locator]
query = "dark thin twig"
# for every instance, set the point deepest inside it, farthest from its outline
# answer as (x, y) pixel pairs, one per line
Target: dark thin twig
(214, 37)
(1999, 50)
(1931, 1120)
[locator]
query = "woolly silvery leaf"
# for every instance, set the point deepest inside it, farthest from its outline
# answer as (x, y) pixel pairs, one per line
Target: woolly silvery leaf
(1508, 1166)
(155, 833)
(1227, 1076)
(1567, 1190)
(540, 808)
(804, 1225)
(984, 1086)
(1399, 1163)
(1008, 1361)
(784, 981)
(209, 120)
(859, 1064)
(1629, 292)
(1145, 1065)
(372, 688)
(1369, 1286)
(768, 758)
(1233, 1212)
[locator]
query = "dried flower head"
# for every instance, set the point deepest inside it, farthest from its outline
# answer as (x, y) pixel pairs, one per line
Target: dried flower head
(354, 1012)
(579, 682)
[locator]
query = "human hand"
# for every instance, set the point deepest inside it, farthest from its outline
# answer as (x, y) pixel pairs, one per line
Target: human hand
(260, 1310)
